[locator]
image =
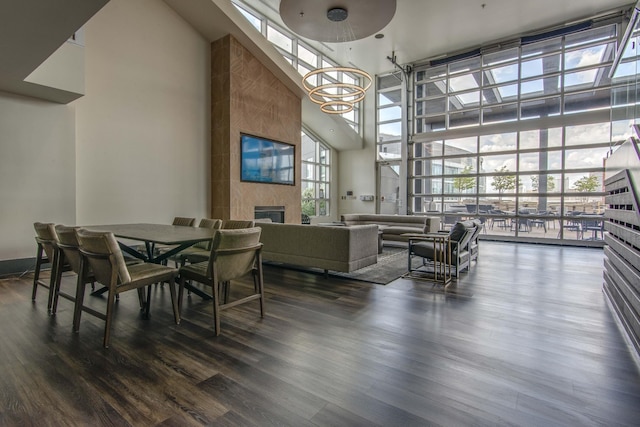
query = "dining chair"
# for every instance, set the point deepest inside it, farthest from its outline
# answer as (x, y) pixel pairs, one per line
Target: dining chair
(178, 220)
(70, 253)
(47, 252)
(101, 253)
(234, 224)
(200, 251)
(234, 254)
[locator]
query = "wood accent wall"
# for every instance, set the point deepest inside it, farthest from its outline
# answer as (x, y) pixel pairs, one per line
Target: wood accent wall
(622, 250)
(247, 98)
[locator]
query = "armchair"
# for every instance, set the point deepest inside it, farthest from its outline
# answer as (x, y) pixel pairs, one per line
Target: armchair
(460, 235)
(474, 246)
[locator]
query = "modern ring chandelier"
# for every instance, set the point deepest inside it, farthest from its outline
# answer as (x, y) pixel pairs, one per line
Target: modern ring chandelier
(323, 21)
(334, 97)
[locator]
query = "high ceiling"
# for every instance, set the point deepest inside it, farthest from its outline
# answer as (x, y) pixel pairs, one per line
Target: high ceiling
(424, 29)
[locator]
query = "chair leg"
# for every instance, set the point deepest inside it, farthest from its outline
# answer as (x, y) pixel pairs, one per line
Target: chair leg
(216, 306)
(36, 273)
(147, 306)
(56, 273)
(180, 292)
(55, 291)
(227, 287)
(141, 298)
(77, 308)
(174, 300)
(259, 284)
(111, 299)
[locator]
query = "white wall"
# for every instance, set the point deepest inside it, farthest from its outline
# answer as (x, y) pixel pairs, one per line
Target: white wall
(357, 168)
(134, 148)
(142, 140)
(37, 170)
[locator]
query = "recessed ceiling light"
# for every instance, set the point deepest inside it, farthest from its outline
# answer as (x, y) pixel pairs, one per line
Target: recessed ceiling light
(379, 36)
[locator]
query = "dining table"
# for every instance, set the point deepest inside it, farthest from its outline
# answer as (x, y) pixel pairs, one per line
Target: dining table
(176, 237)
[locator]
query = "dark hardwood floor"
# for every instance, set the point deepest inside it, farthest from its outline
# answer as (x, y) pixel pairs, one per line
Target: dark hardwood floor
(525, 339)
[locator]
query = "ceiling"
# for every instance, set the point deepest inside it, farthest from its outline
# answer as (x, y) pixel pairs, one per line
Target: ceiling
(420, 29)
(423, 29)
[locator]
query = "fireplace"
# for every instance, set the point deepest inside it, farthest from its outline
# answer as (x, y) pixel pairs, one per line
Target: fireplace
(275, 213)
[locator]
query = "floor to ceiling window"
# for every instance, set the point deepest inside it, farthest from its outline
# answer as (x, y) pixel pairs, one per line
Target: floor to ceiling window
(517, 137)
(391, 117)
(316, 173)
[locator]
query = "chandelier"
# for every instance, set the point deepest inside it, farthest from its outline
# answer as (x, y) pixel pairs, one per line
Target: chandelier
(335, 97)
(336, 89)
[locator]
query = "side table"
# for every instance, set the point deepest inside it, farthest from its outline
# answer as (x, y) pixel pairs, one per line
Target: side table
(442, 255)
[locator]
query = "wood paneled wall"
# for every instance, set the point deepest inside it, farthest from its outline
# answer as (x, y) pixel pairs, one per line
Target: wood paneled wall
(247, 98)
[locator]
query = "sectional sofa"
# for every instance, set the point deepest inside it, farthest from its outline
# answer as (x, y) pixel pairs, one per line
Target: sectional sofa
(394, 226)
(336, 248)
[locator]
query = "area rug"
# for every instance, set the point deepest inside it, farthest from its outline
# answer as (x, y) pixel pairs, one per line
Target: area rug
(392, 264)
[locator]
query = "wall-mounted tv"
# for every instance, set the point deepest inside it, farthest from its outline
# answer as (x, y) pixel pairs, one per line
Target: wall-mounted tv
(266, 161)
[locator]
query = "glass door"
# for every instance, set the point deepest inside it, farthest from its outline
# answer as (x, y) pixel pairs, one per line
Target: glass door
(389, 199)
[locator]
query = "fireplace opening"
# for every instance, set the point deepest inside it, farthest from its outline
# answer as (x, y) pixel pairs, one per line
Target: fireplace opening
(275, 213)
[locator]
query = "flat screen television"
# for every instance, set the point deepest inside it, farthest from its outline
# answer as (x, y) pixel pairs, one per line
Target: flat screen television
(266, 161)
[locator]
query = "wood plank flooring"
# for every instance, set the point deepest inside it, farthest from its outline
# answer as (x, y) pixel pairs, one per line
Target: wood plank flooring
(524, 339)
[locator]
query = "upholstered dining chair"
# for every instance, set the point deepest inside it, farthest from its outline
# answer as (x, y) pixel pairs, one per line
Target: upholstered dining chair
(70, 253)
(200, 251)
(184, 221)
(178, 220)
(234, 254)
(101, 253)
(47, 252)
(234, 224)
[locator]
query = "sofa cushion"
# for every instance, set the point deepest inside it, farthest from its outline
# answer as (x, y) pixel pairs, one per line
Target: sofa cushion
(427, 224)
(396, 229)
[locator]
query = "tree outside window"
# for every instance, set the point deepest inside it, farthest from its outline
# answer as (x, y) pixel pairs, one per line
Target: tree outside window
(586, 184)
(535, 183)
(308, 202)
(504, 183)
(464, 183)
